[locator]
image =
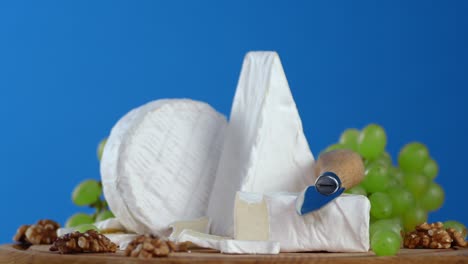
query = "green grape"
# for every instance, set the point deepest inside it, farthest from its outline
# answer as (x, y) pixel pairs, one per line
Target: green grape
(385, 243)
(79, 219)
(349, 138)
(85, 227)
(368, 162)
(385, 224)
(413, 157)
(413, 216)
(401, 198)
(395, 177)
(376, 178)
(417, 184)
(372, 219)
(386, 157)
(457, 226)
(383, 159)
(333, 147)
(376, 162)
(100, 148)
(87, 192)
(104, 215)
(392, 182)
(396, 174)
(358, 189)
(431, 169)
(381, 205)
(372, 141)
(433, 198)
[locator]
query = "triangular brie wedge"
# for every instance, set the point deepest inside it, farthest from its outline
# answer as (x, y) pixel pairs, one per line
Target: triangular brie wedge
(265, 149)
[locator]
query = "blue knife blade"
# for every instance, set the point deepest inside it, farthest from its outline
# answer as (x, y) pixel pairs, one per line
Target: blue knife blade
(327, 188)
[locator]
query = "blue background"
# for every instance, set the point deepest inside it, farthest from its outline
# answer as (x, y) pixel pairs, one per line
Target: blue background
(70, 69)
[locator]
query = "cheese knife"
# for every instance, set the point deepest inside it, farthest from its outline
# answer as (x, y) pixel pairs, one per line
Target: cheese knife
(338, 170)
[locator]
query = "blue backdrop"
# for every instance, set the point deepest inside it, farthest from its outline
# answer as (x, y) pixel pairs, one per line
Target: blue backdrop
(70, 69)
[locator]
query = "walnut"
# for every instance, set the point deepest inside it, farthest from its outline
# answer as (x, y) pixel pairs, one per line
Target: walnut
(417, 239)
(149, 246)
(48, 224)
(423, 227)
(440, 238)
(43, 232)
(88, 242)
(458, 239)
(427, 227)
(178, 247)
(433, 236)
(20, 235)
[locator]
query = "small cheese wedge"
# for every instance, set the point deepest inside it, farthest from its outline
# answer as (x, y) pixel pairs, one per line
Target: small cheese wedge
(265, 149)
(110, 225)
(231, 246)
(200, 239)
(201, 225)
(65, 230)
(121, 240)
(159, 164)
(340, 226)
(227, 245)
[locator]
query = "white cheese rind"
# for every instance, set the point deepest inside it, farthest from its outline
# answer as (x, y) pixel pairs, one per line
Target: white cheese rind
(159, 164)
(265, 149)
(340, 226)
(231, 246)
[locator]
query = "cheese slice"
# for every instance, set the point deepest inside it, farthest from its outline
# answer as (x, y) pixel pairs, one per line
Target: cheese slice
(159, 164)
(111, 225)
(265, 149)
(340, 226)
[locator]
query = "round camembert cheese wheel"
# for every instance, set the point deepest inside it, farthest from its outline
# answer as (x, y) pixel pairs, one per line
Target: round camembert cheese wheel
(159, 163)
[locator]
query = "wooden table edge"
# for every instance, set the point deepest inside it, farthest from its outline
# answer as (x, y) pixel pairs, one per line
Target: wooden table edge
(40, 255)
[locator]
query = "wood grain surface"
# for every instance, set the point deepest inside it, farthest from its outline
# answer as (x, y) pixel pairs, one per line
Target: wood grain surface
(42, 255)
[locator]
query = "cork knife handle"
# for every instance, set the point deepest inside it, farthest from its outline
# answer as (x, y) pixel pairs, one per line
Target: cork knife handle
(345, 163)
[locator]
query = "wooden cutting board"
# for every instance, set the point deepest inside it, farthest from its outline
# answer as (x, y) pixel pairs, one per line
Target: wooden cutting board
(42, 255)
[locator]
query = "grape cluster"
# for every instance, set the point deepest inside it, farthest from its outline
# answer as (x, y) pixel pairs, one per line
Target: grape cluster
(401, 195)
(89, 193)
